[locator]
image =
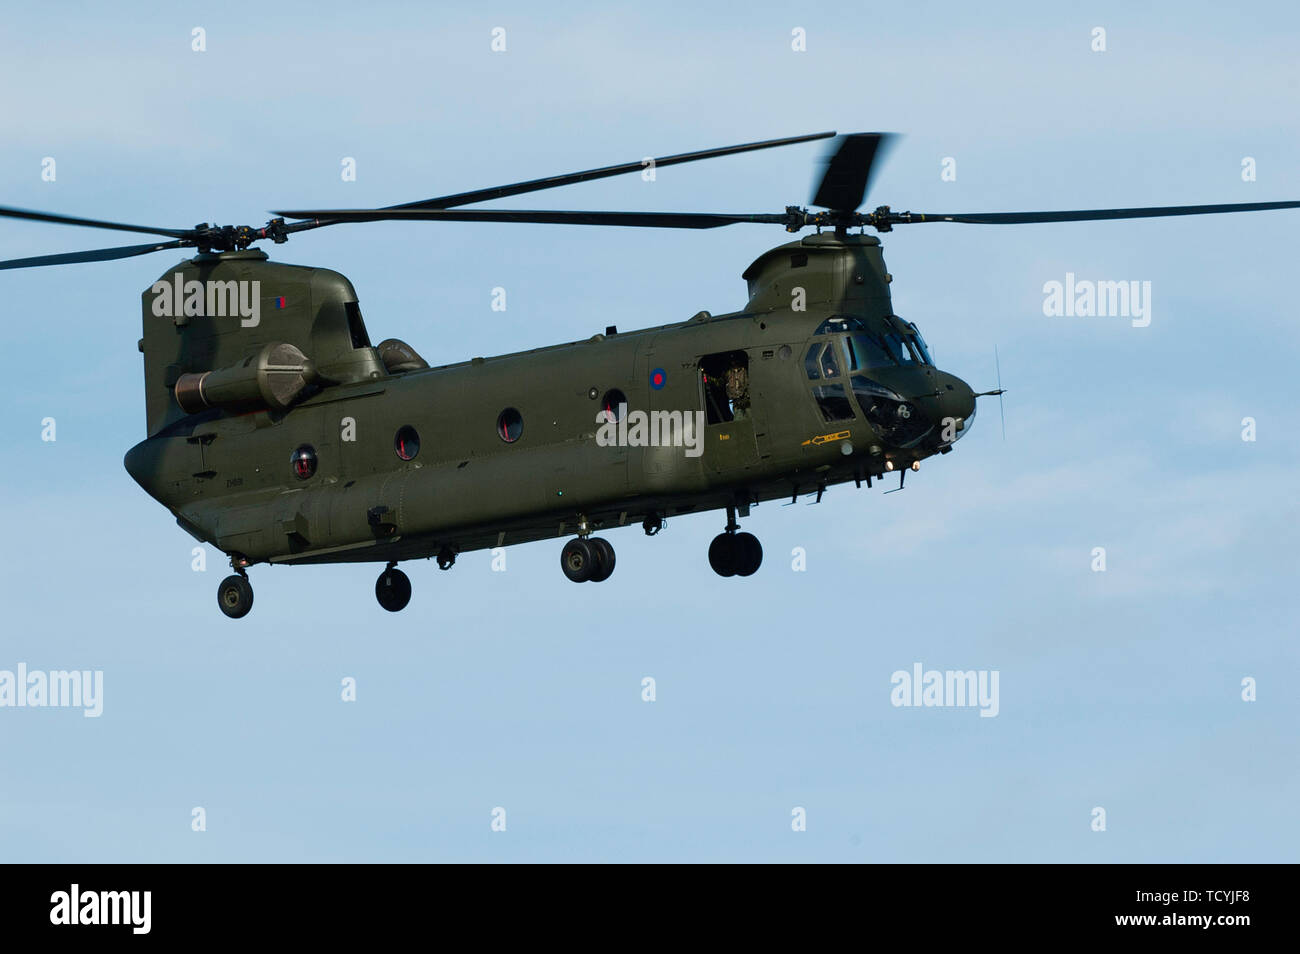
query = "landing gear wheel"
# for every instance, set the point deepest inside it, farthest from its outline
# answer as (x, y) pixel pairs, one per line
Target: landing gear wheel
(579, 561)
(604, 559)
(393, 589)
(735, 554)
(749, 554)
(723, 554)
(235, 596)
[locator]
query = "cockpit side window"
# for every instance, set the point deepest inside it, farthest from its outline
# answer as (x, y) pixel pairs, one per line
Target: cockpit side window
(830, 364)
(811, 363)
(822, 361)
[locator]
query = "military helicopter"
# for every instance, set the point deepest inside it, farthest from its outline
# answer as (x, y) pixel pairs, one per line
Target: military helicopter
(279, 434)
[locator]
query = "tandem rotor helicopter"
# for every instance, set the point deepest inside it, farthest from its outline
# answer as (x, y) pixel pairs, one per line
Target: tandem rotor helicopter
(278, 433)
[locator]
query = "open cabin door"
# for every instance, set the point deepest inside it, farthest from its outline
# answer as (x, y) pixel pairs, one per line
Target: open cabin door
(727, 395)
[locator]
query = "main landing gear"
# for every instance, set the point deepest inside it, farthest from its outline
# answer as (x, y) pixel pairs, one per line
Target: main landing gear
(235, 594)
(393, 589)
(587, 558)
(735, 554)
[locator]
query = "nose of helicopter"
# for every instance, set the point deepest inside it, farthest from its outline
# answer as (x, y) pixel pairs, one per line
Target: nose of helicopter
(956, 406)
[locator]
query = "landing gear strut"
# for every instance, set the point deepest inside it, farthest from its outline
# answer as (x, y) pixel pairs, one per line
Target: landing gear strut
(587, 558)
(735, 554)
(393, 589)
(235, 594)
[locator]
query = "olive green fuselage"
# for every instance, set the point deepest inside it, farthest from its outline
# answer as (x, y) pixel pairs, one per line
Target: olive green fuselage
(227, 473)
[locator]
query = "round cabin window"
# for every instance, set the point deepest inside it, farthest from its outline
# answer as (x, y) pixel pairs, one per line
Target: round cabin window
(510, 425)
(613, 405)
(304, 461)
(406, 442)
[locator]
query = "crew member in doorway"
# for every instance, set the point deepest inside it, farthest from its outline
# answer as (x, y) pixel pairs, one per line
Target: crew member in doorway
(737, 385)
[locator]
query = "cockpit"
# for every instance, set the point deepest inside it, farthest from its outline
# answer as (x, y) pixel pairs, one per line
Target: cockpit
(883, 364)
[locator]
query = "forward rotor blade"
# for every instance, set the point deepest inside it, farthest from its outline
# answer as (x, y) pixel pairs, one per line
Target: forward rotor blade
(95, 255)
(1087, 215)
(7, 212)
(666, 220)
(552, 182)
(844, 184)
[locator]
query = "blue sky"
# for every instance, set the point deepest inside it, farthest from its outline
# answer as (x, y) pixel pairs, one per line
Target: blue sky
(1119, 689)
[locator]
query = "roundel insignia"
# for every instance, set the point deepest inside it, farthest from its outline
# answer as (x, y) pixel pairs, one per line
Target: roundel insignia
(658, 378)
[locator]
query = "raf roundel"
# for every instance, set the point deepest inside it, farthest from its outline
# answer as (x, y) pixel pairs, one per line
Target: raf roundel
(658, 378)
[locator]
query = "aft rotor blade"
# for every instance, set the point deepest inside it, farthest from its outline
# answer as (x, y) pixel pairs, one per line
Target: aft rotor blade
(844, 184)
(7, 212)
(552, 182)
(94, 255)
(1087, 215)
(665, 220)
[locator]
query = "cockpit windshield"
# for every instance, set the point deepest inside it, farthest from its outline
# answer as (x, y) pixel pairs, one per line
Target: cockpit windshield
(869, 349)
(878, 344)
(901, 349)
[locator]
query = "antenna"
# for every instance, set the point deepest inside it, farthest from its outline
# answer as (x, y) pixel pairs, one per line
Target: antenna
(1002, 410)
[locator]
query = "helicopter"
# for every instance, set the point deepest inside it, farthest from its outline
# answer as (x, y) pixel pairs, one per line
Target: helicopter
(279, 434)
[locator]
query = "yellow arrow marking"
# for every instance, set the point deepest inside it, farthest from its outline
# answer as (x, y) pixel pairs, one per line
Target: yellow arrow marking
(826, 438)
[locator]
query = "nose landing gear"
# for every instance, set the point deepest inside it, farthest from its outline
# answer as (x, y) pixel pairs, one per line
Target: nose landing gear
(235, 593)
(393, 589)
(235, 596)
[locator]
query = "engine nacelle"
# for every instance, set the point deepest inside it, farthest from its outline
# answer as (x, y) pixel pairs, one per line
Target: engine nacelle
(273, 378)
